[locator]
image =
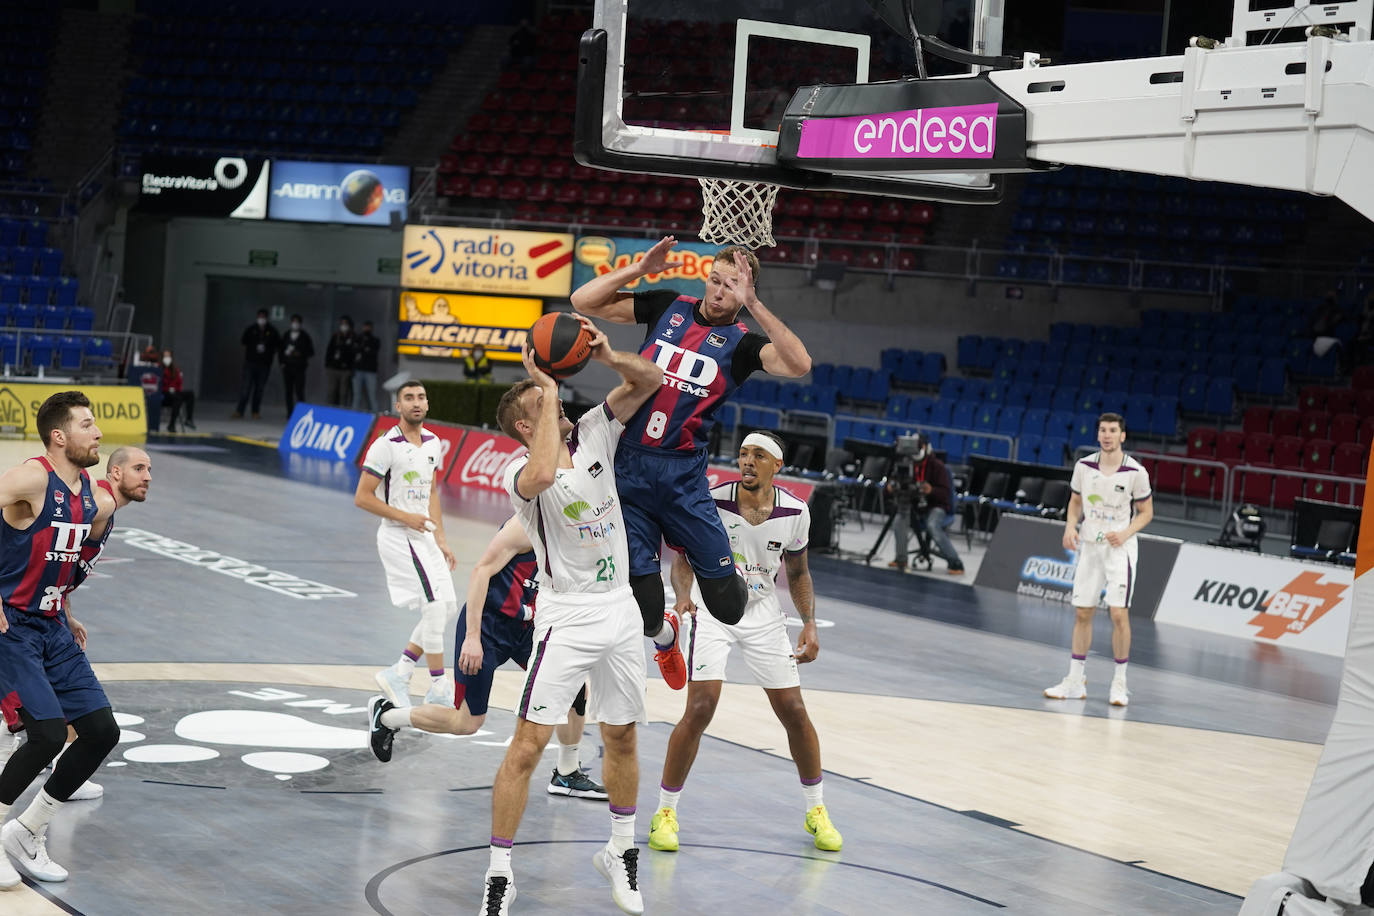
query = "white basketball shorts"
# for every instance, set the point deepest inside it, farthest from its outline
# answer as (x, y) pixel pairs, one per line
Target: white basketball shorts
(596, 638)
(416, 573)
(1101, 564)
(761, 637)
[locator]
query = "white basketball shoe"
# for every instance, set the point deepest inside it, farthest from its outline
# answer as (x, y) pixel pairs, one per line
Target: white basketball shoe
(1071, 688)
(30, 852)
(1119, 695)
(395, 686)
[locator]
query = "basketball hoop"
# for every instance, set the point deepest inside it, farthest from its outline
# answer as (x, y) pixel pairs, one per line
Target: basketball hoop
(737, 212)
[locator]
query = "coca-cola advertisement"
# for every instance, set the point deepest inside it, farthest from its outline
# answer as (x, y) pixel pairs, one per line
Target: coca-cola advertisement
(799, 488)
(482, 461)
(451, 440)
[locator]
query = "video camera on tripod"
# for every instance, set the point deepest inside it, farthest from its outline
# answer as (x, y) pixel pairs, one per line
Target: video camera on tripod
(906, 492)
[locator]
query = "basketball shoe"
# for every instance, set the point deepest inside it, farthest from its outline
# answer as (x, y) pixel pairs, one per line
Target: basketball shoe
(497, 894)
(8, 876)
(818, 825)
(87, 791)
(663, 830)
(671, 664)
(30, 852)
(1118, 695)
(623, 873)
(1071, 688)
(381, 736)
(576, 784)
(440, 691)
(395, 686)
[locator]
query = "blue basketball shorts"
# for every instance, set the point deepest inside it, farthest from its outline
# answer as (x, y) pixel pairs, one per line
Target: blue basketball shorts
(665, 495)
(41, 662)
(503, 639)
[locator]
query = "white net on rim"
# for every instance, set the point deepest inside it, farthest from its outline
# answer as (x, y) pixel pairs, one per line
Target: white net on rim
(737, 212)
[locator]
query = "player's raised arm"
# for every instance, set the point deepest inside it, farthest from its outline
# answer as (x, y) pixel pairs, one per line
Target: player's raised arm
(602, 297)
(509, 542)
(784, 355)
(544, 441)
(641, 378)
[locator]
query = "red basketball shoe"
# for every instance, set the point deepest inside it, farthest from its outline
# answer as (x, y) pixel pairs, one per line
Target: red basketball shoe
(671, 664)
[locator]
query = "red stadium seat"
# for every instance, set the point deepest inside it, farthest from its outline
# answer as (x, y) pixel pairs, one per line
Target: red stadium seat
(1316, 455)
(1169, 478)
(1312, 397)
(1230, 445)
(473, 164)
(1345, 427)
(557, 169)
(454, 186)
(1286, 489)
(448, 163)
(1257, 488)
(512, 189)
(1257, 419)
(1326, 491)
(1288, 452)
(858, 209)
(1340, 400)
(1200, 482)
(1349, 459)
(1315, 424)
(1364, 401)
(906, 259)
(597, 195)
(831, 208)
(1363, 378)
(888, 211)
(500, 166)
(1367, 430)
(1259, 449)
(1202, 442)
(568, 192)
(1285, 422)
(485, 188)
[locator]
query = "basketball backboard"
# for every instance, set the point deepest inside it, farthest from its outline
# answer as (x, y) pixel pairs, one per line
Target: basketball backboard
(700, 89)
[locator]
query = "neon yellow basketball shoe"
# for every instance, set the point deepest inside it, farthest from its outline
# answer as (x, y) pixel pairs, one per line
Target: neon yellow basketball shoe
(663, 830)
(818, 825)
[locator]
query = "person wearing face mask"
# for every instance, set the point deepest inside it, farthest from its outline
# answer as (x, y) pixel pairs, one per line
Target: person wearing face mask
(296, 350)
(260, 344)
(476, 365)
(338, 363)
(175, 395)
(365, 349)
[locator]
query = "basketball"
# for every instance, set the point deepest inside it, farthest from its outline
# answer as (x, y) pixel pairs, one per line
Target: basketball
(561, 344)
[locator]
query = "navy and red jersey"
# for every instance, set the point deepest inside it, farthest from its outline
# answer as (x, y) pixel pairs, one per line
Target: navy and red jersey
(514, 586)
(702, 366)
(93, 547)
(37, 563)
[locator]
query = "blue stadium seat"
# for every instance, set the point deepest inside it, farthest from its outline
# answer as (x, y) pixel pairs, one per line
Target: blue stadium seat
(38, 351)
(98, 353)
(1009, 421)
(1137, 413)
(879, 384)
(64, 293)
(1018, 394)
(985, 418)
(53, 317)
(69, 351)
(40, 290)
(1028, 448)
(942, 412)
(890, 358)
(1065, 399)
(951, 388)
(963, 415)
(80, 318)
(24, 315)
(1221, 396)
(821, 373)
(918, 410)
(967, 352)
(932, 368)
(1041, 396)
(1192, 396)
(1164, 417)
(975, 389)
(897, 407)
(1084, 430)
(50, 262)
(1034, 421)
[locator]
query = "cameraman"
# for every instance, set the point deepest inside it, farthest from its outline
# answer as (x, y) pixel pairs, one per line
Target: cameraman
(922, 495)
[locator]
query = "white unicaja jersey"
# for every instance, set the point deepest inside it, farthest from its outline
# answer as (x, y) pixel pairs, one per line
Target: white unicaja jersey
(407, 470)
(758, 549)
(1108, 499)
(576, 525)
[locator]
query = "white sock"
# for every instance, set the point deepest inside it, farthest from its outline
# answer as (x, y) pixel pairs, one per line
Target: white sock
(397, 718)
(500, 859)
(667, 798)
(1120, 672)
(622, 831)
(664, 638)
(567, 758)
(37, 815)
(405, 665)
(813, 794)
(1076, 669)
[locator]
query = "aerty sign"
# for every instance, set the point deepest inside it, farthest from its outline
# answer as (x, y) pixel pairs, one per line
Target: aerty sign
(1268, 599)
(487, 261)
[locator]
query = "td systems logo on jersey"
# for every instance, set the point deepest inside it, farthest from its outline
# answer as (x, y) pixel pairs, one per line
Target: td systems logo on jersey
(688, 372)
(66, 543)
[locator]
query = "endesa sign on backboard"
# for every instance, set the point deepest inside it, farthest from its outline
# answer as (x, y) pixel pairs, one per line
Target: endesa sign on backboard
(338, 192)
(1272, 600)
(487, 261)
(689, 263)
(223, 186)
(450, 440)
(449, 324)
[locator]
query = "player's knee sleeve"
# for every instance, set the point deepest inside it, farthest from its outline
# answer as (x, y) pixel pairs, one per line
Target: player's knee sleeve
(725, 598)
(99, 730)
(433, 618)
(648, 590)
(579, 704)
(46, 736)
(96, 735)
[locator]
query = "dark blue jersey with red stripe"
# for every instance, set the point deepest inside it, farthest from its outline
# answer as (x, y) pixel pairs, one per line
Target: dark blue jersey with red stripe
(93, 547)
(513, 586)
(37, 563)
(698, 376)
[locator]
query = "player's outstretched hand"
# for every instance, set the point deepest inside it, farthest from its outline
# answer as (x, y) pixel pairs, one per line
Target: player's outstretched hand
(742, 283)
(470, 655)
(540, 377)
(808, 645)
(655, 260)
(449, 558)
(1070, 539)
(601, 347)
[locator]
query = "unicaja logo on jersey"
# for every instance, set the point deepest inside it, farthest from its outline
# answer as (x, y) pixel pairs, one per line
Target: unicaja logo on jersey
(323, 437)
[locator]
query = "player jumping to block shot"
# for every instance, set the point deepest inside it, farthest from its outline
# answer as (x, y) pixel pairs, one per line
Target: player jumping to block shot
(705, 353)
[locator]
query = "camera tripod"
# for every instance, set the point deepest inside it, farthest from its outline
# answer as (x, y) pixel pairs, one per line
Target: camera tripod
(922, 540)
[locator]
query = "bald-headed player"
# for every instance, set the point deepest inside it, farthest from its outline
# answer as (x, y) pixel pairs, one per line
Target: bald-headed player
(705, 352)
(769, 528)
(128, 474)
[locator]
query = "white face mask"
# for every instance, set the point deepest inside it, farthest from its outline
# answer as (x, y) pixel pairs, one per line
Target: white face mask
(295, 325)
(166, 360)
(344, 328)
(262, 322)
